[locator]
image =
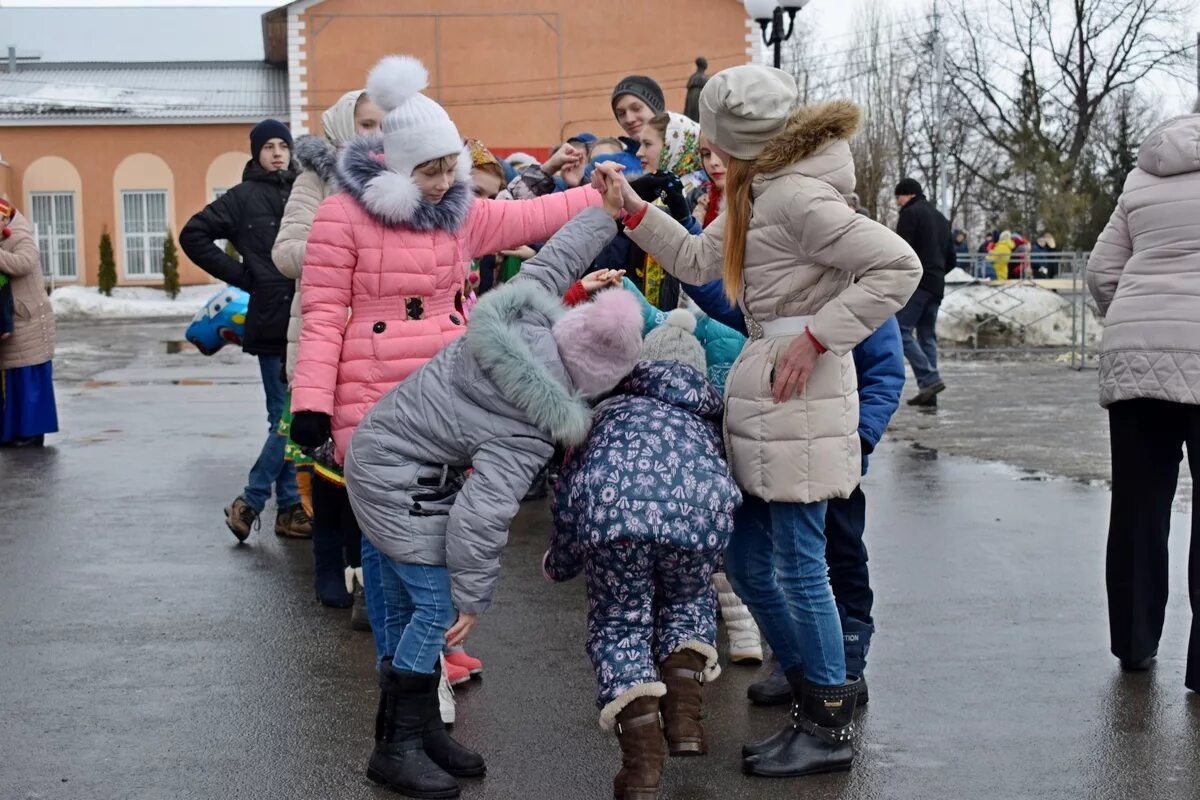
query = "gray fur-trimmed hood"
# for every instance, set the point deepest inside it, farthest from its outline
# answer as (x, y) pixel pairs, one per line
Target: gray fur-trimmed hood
(496, 342)
(318, 154)
(394, 199)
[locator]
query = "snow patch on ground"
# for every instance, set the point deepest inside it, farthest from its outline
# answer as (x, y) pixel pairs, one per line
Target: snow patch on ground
(128, 302)
(1016, 315)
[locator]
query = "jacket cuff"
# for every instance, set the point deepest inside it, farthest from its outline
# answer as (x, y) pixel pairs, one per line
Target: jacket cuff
(816, 342)
(576, 295)
(633, 220)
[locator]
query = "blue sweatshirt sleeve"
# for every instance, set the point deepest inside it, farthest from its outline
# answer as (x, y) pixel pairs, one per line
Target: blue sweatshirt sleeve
(879, 361)
(711, 299)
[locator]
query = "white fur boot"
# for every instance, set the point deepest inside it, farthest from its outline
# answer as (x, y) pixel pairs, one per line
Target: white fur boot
(745, 642)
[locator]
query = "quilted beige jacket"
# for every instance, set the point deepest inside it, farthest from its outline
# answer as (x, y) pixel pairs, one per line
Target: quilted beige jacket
(1144, 273)
(807, 253)
(32, 342)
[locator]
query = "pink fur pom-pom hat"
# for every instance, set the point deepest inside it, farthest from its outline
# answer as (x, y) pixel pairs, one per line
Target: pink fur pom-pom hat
(599, 341)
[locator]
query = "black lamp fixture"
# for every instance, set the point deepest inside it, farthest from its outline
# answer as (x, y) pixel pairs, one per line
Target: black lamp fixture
(769, 14)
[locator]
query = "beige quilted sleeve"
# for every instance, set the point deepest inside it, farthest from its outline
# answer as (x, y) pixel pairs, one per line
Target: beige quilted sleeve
(1108, 259)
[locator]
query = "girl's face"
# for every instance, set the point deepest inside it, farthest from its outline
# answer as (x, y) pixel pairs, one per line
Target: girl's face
(486, 184)
(434, 180)
(650, 148)
(713, 164)
(367, 116)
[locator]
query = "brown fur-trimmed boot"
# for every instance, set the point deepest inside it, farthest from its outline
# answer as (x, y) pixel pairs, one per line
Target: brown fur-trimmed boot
(639, 730)
(683, 673)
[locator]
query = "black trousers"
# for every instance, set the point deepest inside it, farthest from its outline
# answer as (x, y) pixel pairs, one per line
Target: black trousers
(332, 512)
(846, 554)
(1148, 438)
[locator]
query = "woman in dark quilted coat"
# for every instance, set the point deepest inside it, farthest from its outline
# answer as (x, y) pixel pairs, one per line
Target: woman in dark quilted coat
(644, 509)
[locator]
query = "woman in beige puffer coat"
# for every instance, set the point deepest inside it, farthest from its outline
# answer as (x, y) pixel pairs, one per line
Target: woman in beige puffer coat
(337, 549)
(814, 279)
(1144, 274)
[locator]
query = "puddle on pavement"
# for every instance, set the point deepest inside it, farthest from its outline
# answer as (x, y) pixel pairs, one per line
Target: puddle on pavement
(177, 346)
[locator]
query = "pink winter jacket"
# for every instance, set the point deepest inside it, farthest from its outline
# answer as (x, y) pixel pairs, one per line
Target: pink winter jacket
(383, 278)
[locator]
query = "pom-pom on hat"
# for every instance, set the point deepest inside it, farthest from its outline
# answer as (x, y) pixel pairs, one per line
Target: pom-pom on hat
(599, 341)
(415, 128)
(675, 340)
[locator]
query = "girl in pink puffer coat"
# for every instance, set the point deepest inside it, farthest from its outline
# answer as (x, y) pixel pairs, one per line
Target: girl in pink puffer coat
(388, 256)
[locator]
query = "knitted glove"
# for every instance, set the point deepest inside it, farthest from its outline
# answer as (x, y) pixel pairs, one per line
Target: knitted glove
(310, 428)
(666, 187)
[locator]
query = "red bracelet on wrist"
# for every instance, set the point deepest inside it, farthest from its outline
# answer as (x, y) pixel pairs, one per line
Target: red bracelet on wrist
(817, 344)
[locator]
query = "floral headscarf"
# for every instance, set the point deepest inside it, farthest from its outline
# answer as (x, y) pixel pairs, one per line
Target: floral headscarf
(681, 147)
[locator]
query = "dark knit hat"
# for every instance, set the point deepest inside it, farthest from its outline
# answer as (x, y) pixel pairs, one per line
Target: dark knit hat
(645, 89)
(909, 186)
(265, 131)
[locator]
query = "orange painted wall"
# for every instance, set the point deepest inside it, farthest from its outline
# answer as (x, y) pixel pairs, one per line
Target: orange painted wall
(96, 151)
(497, 65)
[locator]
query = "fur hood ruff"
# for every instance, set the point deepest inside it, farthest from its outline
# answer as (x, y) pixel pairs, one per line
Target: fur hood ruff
(318, 154)
(816, 137)
(394, 199)
(496, 342)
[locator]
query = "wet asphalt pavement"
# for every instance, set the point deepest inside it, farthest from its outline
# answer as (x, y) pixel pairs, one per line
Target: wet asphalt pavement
(146, 656)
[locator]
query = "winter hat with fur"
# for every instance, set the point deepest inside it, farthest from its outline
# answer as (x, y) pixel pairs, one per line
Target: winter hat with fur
(415, 128)
(599, 341)
(675, 340)
(743, 108)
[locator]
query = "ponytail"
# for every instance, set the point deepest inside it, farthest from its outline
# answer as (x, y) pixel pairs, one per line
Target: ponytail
(738, 181)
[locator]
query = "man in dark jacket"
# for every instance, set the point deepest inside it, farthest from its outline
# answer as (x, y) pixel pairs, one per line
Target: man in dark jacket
(928, 233)
(636, 100)
(248, 216)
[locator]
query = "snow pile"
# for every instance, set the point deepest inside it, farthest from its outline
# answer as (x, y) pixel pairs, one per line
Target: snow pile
(959, 275)
(128, 302)
(1017, 315)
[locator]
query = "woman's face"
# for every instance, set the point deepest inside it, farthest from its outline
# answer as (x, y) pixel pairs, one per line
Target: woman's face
(650, 147)
(367, 116)
(712, 163)
(485, 183)
(433, 180)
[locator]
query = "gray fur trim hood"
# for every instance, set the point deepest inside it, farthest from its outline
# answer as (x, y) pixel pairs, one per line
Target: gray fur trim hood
(318, 154)
(394, 199)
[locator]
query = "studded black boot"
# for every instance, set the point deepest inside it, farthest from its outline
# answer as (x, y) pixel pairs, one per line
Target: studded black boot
(818, 739)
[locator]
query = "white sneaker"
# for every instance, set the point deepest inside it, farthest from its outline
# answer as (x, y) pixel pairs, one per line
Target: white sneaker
(446, 697)
(745, 642)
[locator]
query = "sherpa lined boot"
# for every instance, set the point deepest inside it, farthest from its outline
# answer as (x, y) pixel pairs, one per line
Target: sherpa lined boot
(399, 760)
(683, 673)
(745, 642)
(635, 718)
(820, 737)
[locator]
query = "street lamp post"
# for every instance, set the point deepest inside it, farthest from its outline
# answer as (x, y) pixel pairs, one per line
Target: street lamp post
(769, 13)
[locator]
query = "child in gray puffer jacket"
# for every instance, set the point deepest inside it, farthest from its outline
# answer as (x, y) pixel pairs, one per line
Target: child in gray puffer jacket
(437, 469)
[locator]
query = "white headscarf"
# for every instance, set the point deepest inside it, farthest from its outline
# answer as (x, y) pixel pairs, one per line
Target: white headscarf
(338, 119)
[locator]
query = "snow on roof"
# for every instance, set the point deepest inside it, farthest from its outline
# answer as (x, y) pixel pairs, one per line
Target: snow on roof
(147, 93)
(145, 34)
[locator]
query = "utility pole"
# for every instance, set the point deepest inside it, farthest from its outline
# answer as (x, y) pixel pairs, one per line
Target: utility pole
(939, 110)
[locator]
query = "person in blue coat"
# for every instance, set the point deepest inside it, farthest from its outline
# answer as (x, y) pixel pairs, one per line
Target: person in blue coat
(879, 362)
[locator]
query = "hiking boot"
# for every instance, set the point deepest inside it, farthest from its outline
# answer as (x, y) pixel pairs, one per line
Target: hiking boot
(293, 522)
(639, 730)
(820, 737)
(241, 518)
(928, 395)
(683, 673)
(459, 658)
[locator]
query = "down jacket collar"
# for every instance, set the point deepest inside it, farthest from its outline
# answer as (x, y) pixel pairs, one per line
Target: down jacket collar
(394, 199)
(318, 154)
(495, 340)
(815, 142)
(675, 384)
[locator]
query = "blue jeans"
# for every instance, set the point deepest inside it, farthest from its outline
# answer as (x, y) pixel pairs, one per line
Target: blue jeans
(372, 567)
(776, 563)
(919, 316)
(272, 468)
(418, 610)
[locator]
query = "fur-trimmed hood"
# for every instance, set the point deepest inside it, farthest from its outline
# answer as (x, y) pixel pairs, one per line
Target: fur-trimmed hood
(495, 339)
(318, 154)
(394, 199)
(815, 142)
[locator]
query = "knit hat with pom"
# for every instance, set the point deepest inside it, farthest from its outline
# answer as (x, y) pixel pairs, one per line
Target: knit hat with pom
(598, 342)
(415, 128)
(675, 340)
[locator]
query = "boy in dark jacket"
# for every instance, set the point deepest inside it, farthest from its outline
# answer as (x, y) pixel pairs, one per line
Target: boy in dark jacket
(645, 508)
(248, 216)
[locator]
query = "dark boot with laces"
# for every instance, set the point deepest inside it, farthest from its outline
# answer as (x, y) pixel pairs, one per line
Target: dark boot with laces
(820, 737)
(293, 522)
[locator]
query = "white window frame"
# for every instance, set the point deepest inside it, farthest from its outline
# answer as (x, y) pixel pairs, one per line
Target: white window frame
(53, 244)
(151, 243)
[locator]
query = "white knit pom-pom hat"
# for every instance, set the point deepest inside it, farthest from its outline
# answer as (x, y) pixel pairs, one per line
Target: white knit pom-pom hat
(415, 128)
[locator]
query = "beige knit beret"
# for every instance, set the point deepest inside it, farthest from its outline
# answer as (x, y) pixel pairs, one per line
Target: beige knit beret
(743, 108)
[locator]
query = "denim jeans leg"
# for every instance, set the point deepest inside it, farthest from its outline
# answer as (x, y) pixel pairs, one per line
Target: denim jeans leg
(398, 606)
(372, 567)
(432, 615)
(909, 318)
(750, 565)
(801, 569)
(271, 468)
(927, 336)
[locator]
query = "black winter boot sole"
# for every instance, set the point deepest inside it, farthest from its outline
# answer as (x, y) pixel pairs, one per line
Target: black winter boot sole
(749, 768)
(381, 779)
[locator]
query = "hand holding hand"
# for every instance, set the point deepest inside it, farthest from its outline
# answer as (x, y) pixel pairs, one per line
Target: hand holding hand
(602, 279)
(567, 154)
(607, 172)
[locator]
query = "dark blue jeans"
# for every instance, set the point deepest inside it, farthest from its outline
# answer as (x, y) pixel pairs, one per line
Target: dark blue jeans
(918, 323)
(271, 468)
(845, 522)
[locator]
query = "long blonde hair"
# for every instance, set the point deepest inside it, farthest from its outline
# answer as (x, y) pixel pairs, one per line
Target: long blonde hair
(739, 177)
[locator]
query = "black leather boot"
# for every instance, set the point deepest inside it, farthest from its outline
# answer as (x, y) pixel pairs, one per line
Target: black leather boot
(445, 751)
(819, 738)
(774, 690)
(399, 760)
